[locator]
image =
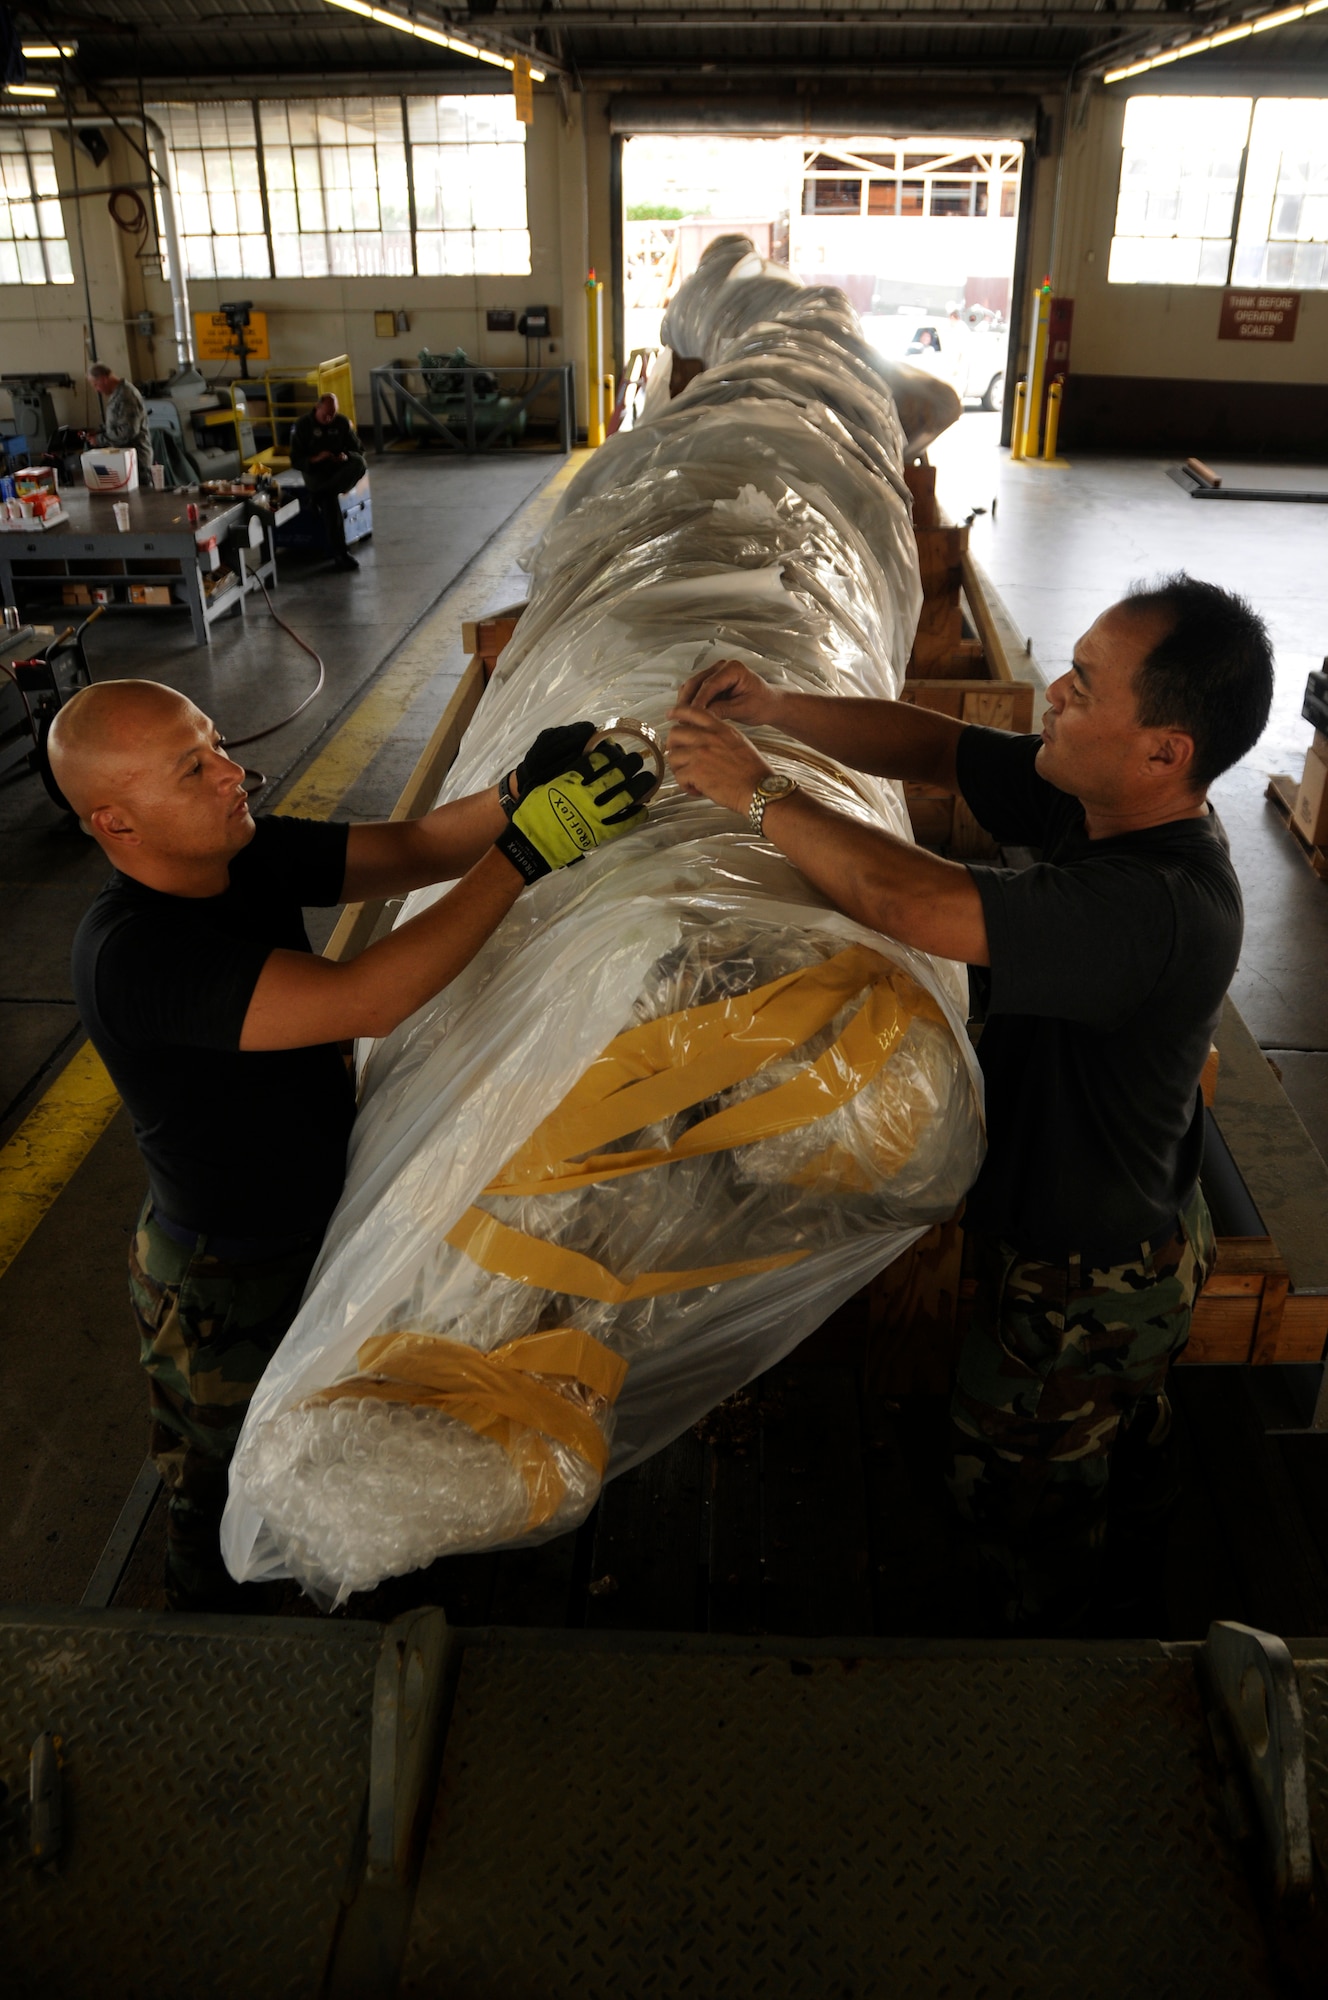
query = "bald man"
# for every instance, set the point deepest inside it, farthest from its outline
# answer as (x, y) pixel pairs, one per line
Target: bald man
(197, 984)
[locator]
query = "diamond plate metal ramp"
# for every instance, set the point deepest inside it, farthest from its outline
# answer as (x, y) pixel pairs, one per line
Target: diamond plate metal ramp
(679, 1818)
(213, 1787)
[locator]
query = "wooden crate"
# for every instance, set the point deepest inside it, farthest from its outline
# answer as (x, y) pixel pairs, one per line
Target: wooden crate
(483, 639)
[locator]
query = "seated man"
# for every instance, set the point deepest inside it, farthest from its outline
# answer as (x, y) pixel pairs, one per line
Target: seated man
(324, 447)
(1103, 968)
(125, 423)
(196, 982)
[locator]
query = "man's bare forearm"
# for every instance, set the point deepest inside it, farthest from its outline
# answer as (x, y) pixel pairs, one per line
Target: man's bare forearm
(886, 883)
(300, 1000)
(391, 857)
(892, 739)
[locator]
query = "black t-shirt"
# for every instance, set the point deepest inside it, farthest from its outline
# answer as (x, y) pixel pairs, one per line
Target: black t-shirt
(309, 436)
(236, 1143)
(1109, 963)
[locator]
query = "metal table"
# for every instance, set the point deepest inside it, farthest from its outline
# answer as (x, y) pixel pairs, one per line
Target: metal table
(161, 546)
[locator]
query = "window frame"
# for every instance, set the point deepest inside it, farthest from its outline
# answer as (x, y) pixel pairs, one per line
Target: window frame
(37, 201)
(402, 101)
(1253, 227)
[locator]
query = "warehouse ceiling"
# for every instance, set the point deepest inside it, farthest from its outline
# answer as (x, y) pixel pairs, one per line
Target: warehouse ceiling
(676, 44)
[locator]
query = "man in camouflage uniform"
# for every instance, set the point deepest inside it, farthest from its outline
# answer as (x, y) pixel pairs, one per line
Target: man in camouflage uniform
(125, 424)
(196, 982)
(1100, 971)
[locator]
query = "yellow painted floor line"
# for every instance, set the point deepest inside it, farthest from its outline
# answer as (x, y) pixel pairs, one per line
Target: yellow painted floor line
(50, 1145)
(55, 1138)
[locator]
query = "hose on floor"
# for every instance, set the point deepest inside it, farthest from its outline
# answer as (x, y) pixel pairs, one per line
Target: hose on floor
(257, 778)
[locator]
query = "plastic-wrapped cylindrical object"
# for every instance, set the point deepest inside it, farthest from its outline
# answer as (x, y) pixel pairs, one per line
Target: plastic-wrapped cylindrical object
(677, 1109)
(733, 290)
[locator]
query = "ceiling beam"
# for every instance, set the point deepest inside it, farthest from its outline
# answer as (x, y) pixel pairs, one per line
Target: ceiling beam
(856, 17)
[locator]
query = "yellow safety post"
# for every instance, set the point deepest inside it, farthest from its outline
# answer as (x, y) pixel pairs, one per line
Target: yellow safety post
(1037, 370)
(1017, 424)
(1054, 394)
(595, 422)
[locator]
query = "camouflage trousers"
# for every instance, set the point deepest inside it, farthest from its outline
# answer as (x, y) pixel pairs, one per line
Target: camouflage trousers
(1062, 1372)
(208, 1327)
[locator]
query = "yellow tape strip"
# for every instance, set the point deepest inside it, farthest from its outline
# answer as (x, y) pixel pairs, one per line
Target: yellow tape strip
(509, 1253)
(665, 1066)
(652, 1072)
(847, 1066)
(51, 1145)
(499, 1396)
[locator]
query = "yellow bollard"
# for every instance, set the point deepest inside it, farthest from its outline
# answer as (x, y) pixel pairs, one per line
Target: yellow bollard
(1017, 422)
(1053, 418)
(595, 426)
(1037, 370)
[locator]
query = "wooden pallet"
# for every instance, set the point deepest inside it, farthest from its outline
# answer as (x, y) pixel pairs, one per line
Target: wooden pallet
(1282, 792)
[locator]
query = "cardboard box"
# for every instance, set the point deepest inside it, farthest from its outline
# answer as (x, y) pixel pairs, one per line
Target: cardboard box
(107, 471)
(149, 593)
(1312, 798)
(75, 593)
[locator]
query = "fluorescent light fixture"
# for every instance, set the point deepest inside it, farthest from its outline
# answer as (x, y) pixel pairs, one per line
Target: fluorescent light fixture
(48, 51)
(31, 90)
(1236, 34)
(439, 37)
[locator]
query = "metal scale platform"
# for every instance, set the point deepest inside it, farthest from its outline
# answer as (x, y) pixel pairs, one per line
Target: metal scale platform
(292, 1807)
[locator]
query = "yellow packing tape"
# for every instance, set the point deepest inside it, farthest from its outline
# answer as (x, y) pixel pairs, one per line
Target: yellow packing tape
(499, 1396)
(665, 1066)
(510, 1253)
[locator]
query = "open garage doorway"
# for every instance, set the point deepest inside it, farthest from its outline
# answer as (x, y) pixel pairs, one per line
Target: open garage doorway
(920, 232)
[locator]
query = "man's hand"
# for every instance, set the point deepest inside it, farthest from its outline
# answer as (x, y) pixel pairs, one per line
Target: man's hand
(563, 821)
(712, 759)
(734, 690)
(553, 752)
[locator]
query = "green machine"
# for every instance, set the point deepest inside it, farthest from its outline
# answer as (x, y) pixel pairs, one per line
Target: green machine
(464, 397)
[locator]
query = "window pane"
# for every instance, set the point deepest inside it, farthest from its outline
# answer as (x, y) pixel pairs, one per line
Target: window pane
(32, 233)
(1284, 210)
(1180, 167)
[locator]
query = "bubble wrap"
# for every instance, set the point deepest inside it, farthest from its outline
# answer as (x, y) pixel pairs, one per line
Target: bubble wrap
(760, 516)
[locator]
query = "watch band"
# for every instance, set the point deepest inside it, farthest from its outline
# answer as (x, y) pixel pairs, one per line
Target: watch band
(505, 799)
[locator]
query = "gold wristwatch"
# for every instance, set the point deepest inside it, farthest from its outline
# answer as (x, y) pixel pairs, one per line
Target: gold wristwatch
(777, 786)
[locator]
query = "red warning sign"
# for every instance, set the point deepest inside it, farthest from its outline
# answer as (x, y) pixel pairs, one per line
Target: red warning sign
(1259, 316)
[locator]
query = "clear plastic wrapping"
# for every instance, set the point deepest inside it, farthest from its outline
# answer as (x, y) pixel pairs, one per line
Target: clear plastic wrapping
(677, 1109)
(735, 291)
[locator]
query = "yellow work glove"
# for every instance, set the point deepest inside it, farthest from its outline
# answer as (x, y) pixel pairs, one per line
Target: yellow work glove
(588, 806)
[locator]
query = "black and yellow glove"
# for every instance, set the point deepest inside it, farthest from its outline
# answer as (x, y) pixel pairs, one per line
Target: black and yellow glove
(553, 752)
(585, 808)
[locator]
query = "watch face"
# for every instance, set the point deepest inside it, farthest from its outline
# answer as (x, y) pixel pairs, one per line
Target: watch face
(776, 785)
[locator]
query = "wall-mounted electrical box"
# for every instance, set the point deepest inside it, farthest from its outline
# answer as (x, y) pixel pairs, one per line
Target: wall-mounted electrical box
(534, 323)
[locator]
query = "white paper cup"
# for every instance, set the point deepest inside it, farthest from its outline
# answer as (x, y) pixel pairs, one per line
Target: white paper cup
(122, 515)
(159, 477)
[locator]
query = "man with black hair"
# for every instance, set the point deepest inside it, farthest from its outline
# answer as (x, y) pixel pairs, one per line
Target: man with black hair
(1101, 972)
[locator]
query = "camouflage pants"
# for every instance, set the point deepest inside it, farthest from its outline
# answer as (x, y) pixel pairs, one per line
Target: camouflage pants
(1062, 1369)
(207, 1329)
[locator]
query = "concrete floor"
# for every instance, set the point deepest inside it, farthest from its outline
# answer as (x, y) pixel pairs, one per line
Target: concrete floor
(1062, 545)
(1065, 543)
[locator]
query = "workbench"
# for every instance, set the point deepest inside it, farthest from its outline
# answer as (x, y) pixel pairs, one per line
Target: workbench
(160, 546)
